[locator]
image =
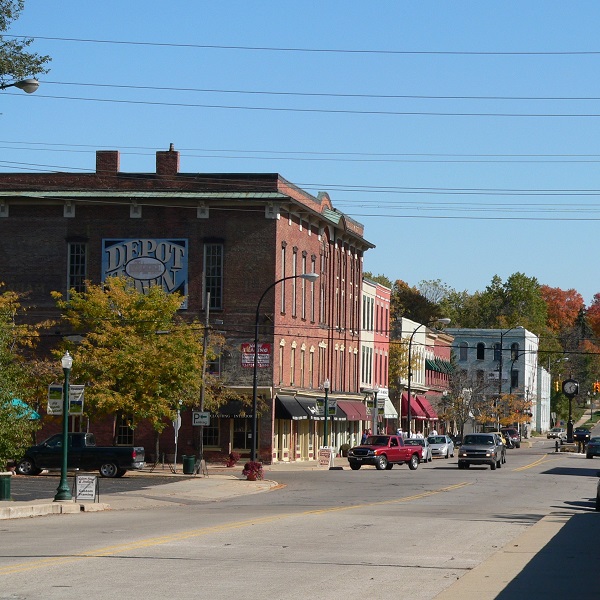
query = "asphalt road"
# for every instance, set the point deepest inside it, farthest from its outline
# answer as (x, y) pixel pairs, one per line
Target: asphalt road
(323, 534)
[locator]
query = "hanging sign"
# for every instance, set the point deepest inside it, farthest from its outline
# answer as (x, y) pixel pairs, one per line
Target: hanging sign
(55, 400)
(76, 393)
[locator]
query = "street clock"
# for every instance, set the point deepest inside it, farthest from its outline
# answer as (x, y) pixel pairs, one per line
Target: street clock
(570, 387)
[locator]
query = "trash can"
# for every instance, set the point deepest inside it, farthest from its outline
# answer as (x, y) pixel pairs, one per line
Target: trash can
(188, 464)
(5, 486)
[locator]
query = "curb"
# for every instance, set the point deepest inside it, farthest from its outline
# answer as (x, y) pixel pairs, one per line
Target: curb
(49, 508)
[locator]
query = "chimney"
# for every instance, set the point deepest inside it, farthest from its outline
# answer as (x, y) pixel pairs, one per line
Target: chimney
(107, 162)
(167, 163)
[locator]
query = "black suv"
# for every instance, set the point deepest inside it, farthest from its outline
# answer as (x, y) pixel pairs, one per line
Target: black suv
(481, 449)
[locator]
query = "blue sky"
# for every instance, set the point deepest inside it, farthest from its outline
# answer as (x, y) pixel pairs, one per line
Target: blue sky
(463, 135)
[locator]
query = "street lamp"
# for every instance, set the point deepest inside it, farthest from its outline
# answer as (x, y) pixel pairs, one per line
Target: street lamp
(443, 321)
(312, 277)
(27, 85)
(325, 425)
(62, 492)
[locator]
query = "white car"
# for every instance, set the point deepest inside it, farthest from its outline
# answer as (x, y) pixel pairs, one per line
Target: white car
(441, 445)
(426, 455)
(557, 432)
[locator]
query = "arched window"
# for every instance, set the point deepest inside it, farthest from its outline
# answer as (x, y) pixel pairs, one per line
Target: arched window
(497, 350)
(463, 350)
(514, 351)
(480, 351)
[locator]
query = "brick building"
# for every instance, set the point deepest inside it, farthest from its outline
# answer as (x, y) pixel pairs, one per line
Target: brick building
(232, 235)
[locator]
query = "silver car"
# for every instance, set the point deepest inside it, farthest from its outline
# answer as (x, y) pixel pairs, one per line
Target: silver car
(441, 446)
(426, 455)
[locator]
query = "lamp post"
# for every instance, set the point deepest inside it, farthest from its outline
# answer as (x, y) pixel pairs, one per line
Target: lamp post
(27, 85)
(326, 423)
(312, 277)
(444, 321)
(62, 492)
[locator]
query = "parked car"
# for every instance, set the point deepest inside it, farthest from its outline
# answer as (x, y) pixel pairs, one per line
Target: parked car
(506, 442)
(593, 447)
(557, 433)
(480, 449)
(441, 445)
(426, 455)
(384, 451)
(513, 434)
(111, 461)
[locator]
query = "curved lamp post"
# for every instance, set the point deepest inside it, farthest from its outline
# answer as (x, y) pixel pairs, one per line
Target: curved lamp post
(443, 321)
(326, 385)
(312, 277)
(27, 85)
(62, 492)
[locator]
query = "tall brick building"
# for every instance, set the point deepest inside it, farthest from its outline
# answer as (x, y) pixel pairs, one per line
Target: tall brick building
(229, 234)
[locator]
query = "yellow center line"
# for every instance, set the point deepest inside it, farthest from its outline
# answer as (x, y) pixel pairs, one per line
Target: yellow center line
(535, 463)
(184, 535)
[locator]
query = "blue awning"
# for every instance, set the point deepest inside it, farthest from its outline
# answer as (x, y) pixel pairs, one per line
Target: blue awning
(25, 410)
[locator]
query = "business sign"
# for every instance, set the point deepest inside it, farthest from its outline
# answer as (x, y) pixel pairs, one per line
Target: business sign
(86, 487)
(200, 418)
(55, 400)
(264, 356)
(148, 262)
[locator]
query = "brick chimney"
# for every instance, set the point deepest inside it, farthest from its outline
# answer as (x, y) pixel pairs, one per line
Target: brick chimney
(167, 163)
(107, 162)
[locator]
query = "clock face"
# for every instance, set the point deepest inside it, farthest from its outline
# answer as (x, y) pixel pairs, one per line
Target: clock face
(570, 387)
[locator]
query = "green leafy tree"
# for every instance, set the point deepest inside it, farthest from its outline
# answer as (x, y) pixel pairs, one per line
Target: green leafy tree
(137, 355)
(15, 61)
(16, 428)
(382, 279)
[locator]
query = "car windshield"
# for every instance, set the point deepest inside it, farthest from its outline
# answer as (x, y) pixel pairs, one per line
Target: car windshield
(481, 440)
(436, 439)
(595, 440)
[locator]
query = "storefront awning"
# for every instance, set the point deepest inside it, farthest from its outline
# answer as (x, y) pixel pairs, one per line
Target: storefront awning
(310, 407)
(389, 412)
(233, 408)
(427, 408)
(416, 412)
(287, 408)
(25, 410)
(355, 411)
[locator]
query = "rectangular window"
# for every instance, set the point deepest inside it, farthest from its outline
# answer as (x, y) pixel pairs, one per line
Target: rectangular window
(283, 275)
(241, 433)
(293, 281)
(124, 430)
(312, 290)
(77, 267)
(293, 366)
(210, 433)
(303, 283)
(213, 274)
(280, 365)
(514, 379)
(311, 368)
(213, 367)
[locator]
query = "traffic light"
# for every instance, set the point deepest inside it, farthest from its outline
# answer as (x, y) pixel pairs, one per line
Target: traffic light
(557, 386)
(596, 386)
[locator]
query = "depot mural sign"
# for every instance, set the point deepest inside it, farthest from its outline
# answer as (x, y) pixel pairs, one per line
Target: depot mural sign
(148, 262)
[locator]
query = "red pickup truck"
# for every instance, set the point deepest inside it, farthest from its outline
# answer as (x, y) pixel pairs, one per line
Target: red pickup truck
(384, 451)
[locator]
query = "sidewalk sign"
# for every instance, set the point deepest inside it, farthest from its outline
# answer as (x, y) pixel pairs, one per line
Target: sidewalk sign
(326, 457)
(86, 488)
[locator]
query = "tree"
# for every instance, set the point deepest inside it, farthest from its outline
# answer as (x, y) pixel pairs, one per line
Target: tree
(382, 279)
(408, 302)
(562, 306)
(16, 428)
(15, 61)
(138, 357)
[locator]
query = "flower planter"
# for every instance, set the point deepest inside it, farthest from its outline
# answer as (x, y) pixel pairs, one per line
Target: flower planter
(251, 477)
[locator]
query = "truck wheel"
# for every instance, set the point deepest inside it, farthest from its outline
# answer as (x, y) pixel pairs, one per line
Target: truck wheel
(27, 467)
(381, 463)
(493, 466)
(499, 464)
(109, 470)
(354, 466)
(413, 463)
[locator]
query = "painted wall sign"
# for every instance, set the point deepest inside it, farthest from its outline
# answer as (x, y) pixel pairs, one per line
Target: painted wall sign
(264, 355)
(147, 262)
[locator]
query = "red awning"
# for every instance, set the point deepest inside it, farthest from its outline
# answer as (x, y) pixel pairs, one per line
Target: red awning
(416, 412)
(355, 411)
(427, 408)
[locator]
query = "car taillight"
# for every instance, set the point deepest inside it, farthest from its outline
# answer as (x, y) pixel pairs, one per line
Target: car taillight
(134, 454)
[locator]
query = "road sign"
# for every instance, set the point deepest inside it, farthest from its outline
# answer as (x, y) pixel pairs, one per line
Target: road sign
(200, 418)
(86, 487)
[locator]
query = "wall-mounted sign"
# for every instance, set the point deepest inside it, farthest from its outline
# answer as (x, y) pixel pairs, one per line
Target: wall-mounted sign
(264, 356)
(200, 418)
(147, 262)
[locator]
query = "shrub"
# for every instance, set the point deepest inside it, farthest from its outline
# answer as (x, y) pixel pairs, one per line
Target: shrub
(233, 458)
